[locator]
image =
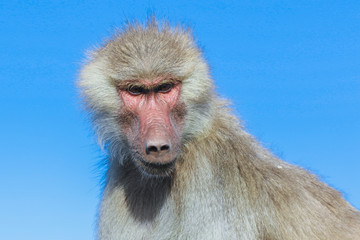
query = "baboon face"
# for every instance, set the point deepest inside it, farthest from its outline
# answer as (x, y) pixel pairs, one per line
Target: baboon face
(152, 118)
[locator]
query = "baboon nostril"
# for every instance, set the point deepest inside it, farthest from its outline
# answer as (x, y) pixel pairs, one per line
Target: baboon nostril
(152, 149)
(164, 148)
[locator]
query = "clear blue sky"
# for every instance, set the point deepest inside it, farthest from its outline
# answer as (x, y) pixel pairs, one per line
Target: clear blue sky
(291, 68)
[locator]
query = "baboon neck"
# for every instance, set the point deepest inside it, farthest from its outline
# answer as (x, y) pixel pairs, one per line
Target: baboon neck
(144, 195)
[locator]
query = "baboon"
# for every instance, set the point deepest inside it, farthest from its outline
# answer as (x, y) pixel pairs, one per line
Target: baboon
(180, 164)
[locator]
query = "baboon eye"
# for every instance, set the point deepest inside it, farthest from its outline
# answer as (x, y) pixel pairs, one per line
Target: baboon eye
(164, 88)
(136, 90)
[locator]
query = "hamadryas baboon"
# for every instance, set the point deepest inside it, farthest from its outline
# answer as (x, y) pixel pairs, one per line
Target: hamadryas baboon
(180, 165)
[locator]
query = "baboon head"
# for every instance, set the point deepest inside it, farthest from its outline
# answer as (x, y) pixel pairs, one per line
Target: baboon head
(149, 93)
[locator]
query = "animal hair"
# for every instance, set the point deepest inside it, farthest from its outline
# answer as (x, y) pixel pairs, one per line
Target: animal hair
(224, 184)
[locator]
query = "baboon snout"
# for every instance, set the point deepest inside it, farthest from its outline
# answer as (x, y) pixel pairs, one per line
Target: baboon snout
(159, 146)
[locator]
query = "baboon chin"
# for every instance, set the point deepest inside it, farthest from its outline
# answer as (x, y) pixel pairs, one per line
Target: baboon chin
(180, 165)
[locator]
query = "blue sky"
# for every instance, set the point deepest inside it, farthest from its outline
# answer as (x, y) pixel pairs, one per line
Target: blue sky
(291, 69)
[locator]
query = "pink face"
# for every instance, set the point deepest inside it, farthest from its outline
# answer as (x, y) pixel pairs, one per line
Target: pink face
(152, 120)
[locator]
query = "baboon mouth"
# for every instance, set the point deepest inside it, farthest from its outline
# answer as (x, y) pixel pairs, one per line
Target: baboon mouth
(159, 169)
